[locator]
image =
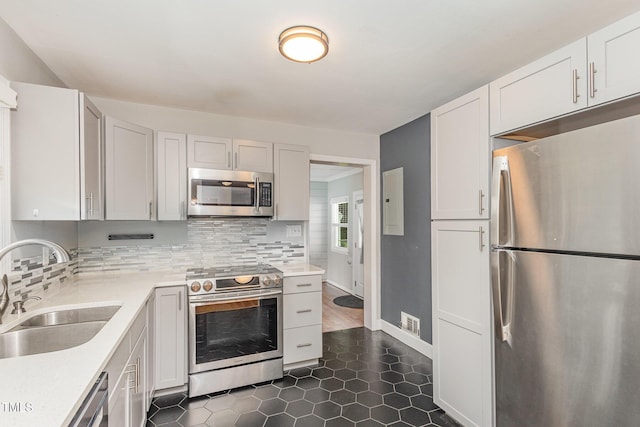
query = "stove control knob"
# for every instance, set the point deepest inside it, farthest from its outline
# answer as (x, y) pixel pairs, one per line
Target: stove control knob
(195, 287)
(207, 285)
(267, 281)
(278, 280)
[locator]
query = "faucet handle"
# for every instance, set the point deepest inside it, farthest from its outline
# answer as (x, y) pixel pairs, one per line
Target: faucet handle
(18, 306)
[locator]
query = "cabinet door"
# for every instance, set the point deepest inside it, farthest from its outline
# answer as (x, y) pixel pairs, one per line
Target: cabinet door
(549, 87)
(171, 337)
(45, 154)
(614, 65)
(137, 384)
(91, 181)
(462, 374)
(171, 173)
(151, 345)
(254, 156)
(208, 152)
(291, 176)
(460, 156)
(129, 171)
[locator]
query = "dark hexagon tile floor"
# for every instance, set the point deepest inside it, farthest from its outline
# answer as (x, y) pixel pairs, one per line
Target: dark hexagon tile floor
(365, 378)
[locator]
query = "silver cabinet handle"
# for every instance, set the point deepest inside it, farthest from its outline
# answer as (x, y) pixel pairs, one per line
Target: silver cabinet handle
(481, 235)
(150, 208)
(257, 190)
(574, 86)
(137, 373)
(308, 310)
(235, 160)
(179, 300)
(480, 201)
(592, 78)
(229, 159)
(303, 285)
(304, 345)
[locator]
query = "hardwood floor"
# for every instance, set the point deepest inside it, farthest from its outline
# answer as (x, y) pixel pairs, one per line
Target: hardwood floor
(335, 317)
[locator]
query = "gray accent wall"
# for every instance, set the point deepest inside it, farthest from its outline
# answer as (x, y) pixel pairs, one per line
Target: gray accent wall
(406, 260)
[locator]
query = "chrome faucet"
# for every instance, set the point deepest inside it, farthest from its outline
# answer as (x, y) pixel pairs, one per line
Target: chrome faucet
(59, 252)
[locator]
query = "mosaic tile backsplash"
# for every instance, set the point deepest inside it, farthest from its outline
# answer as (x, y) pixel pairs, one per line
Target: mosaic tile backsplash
(210, 242)
(30, 277)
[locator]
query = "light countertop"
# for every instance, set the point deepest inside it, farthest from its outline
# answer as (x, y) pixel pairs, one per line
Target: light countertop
(298, 269)
(48, 388)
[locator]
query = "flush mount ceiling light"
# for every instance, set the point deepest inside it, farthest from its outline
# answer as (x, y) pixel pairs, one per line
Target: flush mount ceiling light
(303, 44)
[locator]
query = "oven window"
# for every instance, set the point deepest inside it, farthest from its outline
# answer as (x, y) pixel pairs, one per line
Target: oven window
(236, 328)
(223, 193)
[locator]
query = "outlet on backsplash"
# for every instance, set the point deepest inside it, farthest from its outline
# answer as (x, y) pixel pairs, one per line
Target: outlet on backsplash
(294, 230)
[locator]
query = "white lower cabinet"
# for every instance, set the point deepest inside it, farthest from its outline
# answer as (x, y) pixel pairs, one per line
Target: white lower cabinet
(462, 361)
(170, 337)
(127, 371)
(302, 320)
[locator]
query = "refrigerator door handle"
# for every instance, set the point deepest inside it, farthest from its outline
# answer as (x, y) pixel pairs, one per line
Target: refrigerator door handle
(502, 203)
(498, 272)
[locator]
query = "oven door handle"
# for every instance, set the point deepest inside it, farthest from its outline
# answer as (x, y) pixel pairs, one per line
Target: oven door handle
(208, 300)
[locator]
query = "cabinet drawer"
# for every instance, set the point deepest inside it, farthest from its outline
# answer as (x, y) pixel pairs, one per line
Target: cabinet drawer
(302, 344)
(297, 284)
(303, 309)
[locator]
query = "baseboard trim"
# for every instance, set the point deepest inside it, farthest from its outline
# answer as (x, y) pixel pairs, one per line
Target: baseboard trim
(342, 288)
(408, 339)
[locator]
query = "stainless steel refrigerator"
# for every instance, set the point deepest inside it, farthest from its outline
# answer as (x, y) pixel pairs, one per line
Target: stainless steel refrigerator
(565, 267)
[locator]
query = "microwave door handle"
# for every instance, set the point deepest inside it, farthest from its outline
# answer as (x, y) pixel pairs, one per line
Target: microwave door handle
(257, 184)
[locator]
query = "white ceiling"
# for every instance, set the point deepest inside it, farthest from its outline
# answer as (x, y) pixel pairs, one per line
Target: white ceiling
(389, 61)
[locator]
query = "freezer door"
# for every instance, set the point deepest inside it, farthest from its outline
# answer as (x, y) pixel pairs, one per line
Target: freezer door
(578, 191)
(571, 354)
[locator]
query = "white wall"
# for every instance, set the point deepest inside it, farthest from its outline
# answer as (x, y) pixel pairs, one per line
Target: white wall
(318, 225)
(19, 63)
(339, 266)
(320, 141)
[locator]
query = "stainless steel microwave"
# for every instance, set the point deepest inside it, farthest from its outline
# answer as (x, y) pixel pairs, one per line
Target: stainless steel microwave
(214, 192)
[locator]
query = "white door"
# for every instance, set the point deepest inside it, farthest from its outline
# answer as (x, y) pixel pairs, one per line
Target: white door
(614, 65)
(461, 299)
(358, 243)
(460, 156)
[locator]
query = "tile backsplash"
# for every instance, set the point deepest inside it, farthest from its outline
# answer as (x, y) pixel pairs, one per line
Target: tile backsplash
(29, 276)
(210, 242)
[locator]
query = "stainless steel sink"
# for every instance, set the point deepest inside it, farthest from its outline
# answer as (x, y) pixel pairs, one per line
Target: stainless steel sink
(65, 317)
(46, 339)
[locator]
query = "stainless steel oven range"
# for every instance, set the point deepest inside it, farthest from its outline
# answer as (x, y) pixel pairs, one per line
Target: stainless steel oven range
(235, 327)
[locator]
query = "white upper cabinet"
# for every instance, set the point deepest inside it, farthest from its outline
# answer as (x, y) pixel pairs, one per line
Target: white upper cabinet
(254, 156)
(549, 87)
(129, 171)
(291, 176)
(56, 150)
(225, 153)
(91, 170)
(171, 176)
(209, 152)
(596, 69)
(460, 154)
(614, 64)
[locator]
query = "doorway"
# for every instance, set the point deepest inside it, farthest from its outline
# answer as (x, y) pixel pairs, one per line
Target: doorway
(336, 242)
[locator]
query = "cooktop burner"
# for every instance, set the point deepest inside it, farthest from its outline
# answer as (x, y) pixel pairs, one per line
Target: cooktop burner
(202, 281)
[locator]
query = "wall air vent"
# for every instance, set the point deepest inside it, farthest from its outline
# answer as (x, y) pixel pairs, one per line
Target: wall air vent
(410, 323)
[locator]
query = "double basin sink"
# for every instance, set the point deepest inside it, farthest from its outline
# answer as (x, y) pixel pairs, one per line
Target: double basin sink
(55, 330)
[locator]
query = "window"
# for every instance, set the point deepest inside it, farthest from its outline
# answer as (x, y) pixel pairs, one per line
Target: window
(340, 224)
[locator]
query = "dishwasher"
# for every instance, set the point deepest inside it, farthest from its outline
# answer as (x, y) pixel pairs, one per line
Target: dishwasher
(94, 408)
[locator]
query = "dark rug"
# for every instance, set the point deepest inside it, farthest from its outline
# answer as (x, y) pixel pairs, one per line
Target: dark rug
(349, 301)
